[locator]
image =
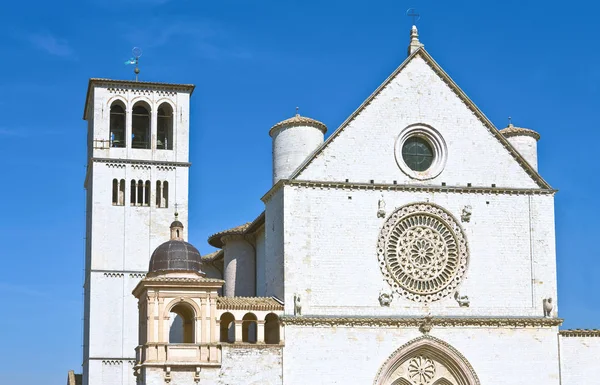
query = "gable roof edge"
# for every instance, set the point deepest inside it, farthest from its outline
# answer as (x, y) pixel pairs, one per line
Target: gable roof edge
(537, 178)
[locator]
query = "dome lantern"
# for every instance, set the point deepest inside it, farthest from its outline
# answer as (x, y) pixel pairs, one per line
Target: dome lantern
(176, 255)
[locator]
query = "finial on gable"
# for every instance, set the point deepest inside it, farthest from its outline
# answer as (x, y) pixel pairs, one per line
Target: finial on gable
(415, 44)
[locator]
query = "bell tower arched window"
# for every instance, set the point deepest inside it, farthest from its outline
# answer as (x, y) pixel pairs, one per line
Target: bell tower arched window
(117, 125)
(164, 128)
(140, 126)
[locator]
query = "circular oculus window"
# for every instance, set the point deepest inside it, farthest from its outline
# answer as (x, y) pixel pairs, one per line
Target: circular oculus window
(421, 152)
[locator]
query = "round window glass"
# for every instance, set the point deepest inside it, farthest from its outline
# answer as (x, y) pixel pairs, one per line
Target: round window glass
(417, 153)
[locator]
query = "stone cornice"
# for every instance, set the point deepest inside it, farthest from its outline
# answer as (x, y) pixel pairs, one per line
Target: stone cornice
(400, 187)
(580, 333)
(249, 303)
(177, 283)
(141, 161)
(506, 322)
(129, 84)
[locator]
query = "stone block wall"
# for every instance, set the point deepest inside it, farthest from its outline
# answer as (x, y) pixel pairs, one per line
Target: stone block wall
(331, 260)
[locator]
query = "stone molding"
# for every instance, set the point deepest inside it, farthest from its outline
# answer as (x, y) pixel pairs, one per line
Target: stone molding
(421, 52)
(513, 322)
(580, 333)
(114, 161)
(182, 279)
(449, 356)
(400, 187)
(249, 303)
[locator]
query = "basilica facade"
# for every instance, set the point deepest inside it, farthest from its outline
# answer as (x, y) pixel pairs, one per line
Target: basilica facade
(414, 246)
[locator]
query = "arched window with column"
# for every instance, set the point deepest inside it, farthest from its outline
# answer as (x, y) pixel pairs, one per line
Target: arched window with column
(140, 126)
(122, 192)
(132, 192)
(181, 324)
(117, 124)
(115, 192)
(164, 127)
(249, 328)
(227, 328)
(147, 193)
(158, 193)
(140, 193)
(165, 194)
(272, 329)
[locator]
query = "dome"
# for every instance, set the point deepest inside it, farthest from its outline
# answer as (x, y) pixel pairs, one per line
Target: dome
(176, 254)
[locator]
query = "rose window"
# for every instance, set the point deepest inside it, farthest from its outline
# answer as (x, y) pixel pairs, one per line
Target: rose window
(422, 252)
(421, 370)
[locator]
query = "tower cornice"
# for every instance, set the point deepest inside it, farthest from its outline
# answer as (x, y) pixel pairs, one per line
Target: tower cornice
(130, 84)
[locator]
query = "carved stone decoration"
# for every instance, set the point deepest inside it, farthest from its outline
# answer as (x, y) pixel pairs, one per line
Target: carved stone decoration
(197, 375)
(426, 325)
(168, 377)
(381, 208)
(463, 300)
(426, 361)
(422, 252)
(466, 214)
(421, 370)
(548, 307)
(297, 305)
(385, 299)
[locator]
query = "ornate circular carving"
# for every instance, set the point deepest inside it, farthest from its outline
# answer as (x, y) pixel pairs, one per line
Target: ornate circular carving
(421, 370)
(422, 252)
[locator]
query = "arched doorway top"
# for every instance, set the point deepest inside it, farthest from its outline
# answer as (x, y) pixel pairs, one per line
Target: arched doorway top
(428, 348)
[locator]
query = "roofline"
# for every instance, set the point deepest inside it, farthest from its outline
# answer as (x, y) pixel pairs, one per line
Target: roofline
(133, 84)
(215, 239)
(460, 93)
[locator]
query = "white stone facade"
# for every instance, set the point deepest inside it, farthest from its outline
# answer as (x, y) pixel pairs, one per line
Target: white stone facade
(375, 270)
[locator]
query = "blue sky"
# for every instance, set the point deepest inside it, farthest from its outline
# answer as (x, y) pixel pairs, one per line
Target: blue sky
(253, 62)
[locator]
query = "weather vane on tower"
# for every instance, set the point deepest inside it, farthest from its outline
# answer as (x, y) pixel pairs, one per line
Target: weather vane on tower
(412, 13)
(137, 53)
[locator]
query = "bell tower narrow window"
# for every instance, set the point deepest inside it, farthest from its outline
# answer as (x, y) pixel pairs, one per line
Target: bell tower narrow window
(165, 193)
(158, 193)
(122, 192)
(140, 126)
(147, 193)
(115, 192)
(140, 193)
(164, 133)
(133, 190)
(117, 125)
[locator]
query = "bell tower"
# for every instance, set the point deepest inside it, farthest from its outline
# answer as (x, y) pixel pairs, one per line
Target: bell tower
(137, 177)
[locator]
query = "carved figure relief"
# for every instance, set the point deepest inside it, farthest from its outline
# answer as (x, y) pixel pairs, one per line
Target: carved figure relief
(422, 252)
(463, 300)
(466, 214)
(548, 306)
(381, 208)
(297, 305)
(385, 299)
